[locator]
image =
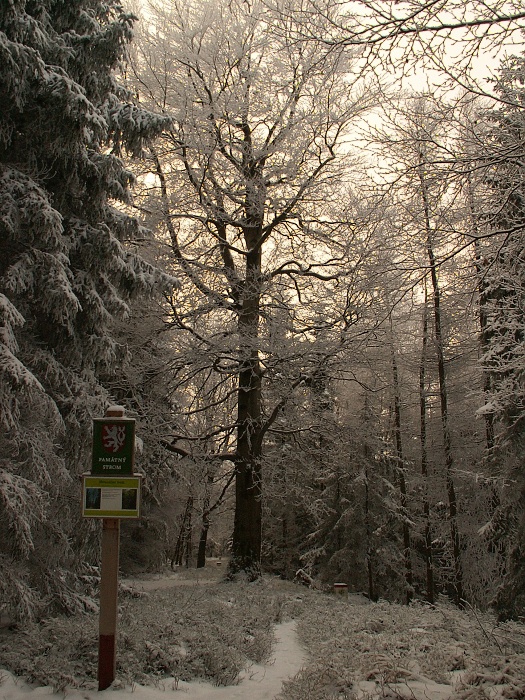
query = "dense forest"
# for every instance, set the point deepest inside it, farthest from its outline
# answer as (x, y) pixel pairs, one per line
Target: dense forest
(288, 236)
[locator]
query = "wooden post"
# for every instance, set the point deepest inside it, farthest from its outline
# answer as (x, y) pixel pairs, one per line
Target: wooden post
(107, 648)
(107, 628)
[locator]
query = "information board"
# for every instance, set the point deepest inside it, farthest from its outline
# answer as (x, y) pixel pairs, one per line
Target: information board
(111, 497)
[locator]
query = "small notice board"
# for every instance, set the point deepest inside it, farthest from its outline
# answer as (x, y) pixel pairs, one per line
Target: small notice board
(113, 446)
(111, 497)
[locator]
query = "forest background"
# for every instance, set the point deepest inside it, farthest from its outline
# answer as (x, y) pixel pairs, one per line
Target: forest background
(304, 281)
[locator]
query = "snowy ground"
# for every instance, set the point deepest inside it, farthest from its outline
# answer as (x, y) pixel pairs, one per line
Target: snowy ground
(329, 648)
(257, 683)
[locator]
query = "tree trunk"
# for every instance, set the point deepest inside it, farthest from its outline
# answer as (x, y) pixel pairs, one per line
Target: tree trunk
(180, 546)
(483, 320)
(429, 564)
(368, 517)
(443, 396)
(495, 544)
(247, 529)
(203, 540)
(205, 524)
(369, 548)
(400, 474)
(188, 540)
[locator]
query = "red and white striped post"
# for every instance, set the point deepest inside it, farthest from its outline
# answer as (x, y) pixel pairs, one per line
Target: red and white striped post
(107, 626)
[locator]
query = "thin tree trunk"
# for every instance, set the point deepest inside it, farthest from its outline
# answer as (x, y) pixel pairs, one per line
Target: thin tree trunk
(178, 554)
(203, 541)
(443, 396)
(429, 564)
(188, 539)
(368, 517)
(207, 511)
(490, 440)
(483, 320)
(400, 474)
(203, 538)
(205, 522)
(369, 549)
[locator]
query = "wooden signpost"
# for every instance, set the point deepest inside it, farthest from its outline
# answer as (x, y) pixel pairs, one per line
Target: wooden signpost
(111, 492)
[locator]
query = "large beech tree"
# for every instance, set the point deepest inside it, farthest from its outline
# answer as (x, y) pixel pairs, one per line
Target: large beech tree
(245, 178)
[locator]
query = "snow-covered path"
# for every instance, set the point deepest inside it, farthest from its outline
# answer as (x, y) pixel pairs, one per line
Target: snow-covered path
(258, 682)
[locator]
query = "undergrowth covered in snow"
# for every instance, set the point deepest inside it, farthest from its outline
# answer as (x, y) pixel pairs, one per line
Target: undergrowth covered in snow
(417, 651)
(356, 649)
(211, 632)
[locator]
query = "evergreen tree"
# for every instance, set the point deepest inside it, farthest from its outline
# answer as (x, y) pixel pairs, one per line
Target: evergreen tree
(66, 270)
(503, 306)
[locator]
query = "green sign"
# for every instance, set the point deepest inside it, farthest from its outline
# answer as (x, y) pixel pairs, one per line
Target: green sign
(113, 446)
(111, 497)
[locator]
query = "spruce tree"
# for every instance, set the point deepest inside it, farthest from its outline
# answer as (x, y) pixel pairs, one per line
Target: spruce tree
(67, 269)
(503, 307)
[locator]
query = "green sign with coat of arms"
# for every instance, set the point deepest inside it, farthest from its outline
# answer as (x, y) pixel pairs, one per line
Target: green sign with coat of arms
(113, 446)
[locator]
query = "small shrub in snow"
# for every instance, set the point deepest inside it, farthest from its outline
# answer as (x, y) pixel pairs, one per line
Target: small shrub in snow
(317, 682)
